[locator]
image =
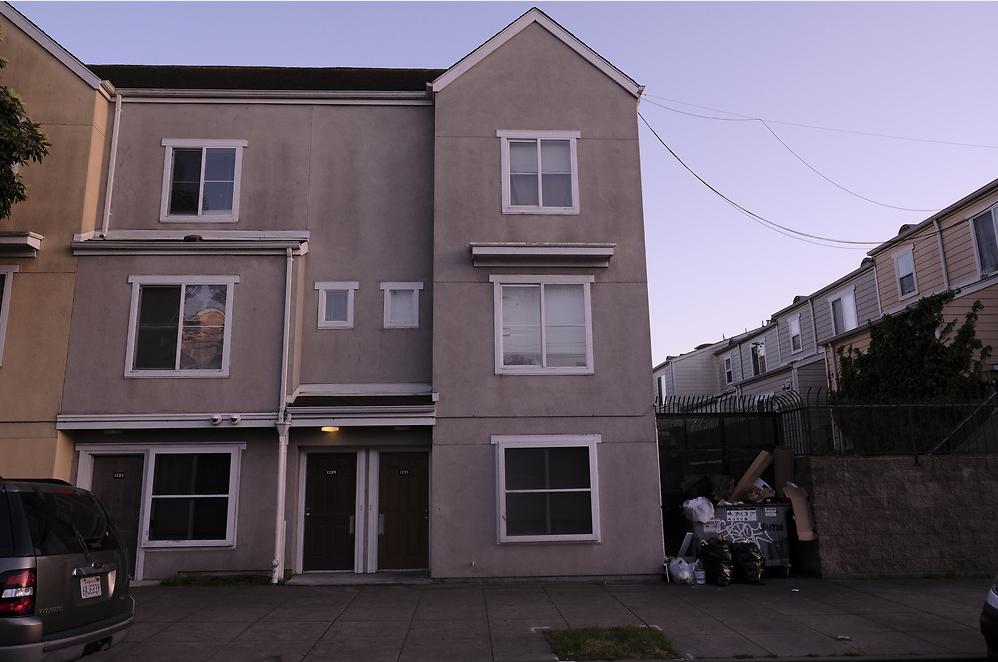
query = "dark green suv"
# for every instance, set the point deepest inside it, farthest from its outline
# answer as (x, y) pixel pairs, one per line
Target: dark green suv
(63, 573)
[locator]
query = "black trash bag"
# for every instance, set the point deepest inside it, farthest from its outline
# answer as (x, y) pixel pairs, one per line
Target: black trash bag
(749, 563)
(715, 555)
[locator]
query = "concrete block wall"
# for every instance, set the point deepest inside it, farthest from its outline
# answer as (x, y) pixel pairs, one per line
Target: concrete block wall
(904, 517)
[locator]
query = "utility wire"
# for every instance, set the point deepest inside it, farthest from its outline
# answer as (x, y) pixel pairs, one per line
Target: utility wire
(789, 232)
(766, 123)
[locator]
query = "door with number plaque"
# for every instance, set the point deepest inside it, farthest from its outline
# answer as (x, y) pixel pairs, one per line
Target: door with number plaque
(404, 505)
(330, 508)
(117, 483)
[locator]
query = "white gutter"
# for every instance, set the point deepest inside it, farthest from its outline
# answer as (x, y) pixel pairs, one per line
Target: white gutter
(283, 424)
(942, 255)
(111, 166)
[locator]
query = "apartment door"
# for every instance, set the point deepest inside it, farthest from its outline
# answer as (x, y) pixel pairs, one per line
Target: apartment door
(330, 508)
(404, 511)
(117, 483)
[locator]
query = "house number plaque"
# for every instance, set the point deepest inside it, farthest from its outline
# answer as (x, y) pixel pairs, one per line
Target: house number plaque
(403, 472)
(330, 472)
(119, 474)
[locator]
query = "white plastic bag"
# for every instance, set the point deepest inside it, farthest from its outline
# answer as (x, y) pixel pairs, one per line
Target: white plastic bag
(699, 509)
(681, 571)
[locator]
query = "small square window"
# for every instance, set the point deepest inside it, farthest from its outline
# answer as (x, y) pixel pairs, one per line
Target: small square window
(401, 305)
(336, 304)
(539, 172)
(201, 180)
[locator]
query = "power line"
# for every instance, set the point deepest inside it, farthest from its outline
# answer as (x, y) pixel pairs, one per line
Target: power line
(776, 227)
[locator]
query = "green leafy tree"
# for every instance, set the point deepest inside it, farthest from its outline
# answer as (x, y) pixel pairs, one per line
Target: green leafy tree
(21, 141)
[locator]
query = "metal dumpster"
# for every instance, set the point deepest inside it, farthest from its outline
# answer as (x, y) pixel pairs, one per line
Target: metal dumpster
(763, 524)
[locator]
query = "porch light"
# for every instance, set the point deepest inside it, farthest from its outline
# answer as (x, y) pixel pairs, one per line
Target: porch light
(329, 428)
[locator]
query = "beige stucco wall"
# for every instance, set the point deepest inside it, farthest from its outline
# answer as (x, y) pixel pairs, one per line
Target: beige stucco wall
(62, 200)
(536, 82)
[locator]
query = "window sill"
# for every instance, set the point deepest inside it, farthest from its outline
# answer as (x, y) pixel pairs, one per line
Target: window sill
(176, 374)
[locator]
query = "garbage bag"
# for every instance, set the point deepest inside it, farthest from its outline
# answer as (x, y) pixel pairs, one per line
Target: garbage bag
(699, 509)
(681, 571)
(749, 563)
(715, 554)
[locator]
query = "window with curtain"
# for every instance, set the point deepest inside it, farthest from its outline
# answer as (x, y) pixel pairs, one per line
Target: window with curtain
(540, 172)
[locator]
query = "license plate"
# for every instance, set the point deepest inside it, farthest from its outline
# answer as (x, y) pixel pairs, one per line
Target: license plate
(90, 587)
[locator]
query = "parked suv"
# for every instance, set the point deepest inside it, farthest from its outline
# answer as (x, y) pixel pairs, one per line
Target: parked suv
(63, 573)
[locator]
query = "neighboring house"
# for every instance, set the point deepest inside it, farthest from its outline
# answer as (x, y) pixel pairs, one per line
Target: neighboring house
(360, 319)
(693, 373)
(37, 269)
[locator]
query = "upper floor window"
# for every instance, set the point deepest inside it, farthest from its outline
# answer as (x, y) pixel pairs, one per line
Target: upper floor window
(843, 307)
(336, 304)
(543, 324)
(796, 343)
(904, 269)
(987, 242)
(201, 180)
(729, 375)
(401, 305)
(6, 278)
(539, 172)
(758, 358)
(179, 326)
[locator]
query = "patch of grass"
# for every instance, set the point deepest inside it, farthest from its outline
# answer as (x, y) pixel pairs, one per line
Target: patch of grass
(622, 642)
(217, 580)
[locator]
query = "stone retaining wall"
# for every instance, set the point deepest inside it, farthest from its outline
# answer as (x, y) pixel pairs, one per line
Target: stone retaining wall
(902, 517)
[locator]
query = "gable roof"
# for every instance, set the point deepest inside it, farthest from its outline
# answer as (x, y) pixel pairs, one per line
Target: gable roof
(537, 16)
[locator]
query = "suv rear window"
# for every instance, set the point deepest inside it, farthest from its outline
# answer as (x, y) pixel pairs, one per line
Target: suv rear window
(66, 522)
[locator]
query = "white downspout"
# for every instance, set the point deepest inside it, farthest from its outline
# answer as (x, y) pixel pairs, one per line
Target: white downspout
(111, 166)
(942, 255)
(283, 425)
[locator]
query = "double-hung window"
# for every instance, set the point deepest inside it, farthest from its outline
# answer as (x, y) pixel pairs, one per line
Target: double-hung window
(539, 172)
(548, 488)
(201, 180)
(729, 375)
(543, 324)
(401, 305)
(6, 278)
(843, 308)
(758, 358)
(986, 239)
(336, 304)
(796, 343)
(180, 326)
(904, 269)
(192, 496)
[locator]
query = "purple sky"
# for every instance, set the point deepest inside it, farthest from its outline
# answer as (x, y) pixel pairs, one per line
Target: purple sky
(893, 102)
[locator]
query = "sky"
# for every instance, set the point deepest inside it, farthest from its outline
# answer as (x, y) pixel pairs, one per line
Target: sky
(838, 120)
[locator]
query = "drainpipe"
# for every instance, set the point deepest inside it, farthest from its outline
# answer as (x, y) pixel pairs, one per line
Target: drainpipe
(942, 255)
(283, 426)
(111, 166)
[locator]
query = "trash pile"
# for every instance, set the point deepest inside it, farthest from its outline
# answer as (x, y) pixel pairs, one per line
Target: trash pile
(746, 529)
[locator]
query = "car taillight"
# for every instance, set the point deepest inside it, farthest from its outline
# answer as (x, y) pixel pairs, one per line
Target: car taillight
(17, 593)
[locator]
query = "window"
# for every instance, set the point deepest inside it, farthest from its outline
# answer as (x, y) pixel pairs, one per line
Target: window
(758, 358)
(796, 344)
(843, 307)
(729, 375)
(336, 304)
(539, 172)
(987, 242)
(192, 497)
(547, 488)
(178, 326)
(401, 305)
(543, 325)
(67, 522)
(6, 277)
(201, 180)
(904, 268)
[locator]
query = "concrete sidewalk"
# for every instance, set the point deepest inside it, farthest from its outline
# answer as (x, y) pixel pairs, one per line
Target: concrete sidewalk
(501, 622)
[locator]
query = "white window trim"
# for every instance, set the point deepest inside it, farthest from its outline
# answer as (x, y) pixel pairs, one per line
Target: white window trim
(909, 252)
(8, 271)
(972, 218)
(505, 137)
(388, 287)
(728, 366)
(791, 322)
(502, 442)
(133, 323)
(853, 315)
(499, 280)
(173, 143)
(758, 358)
(336, 286)
(235, 454)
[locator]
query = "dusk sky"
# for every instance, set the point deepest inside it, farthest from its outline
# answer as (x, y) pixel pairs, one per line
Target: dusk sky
(840, 120)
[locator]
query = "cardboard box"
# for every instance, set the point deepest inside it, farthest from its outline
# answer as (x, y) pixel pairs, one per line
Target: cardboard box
(747, 481)
(803, 516)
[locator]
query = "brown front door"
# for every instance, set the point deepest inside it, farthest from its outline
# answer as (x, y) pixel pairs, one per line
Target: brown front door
(330, 505)
(404, 504)
(117, 483)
